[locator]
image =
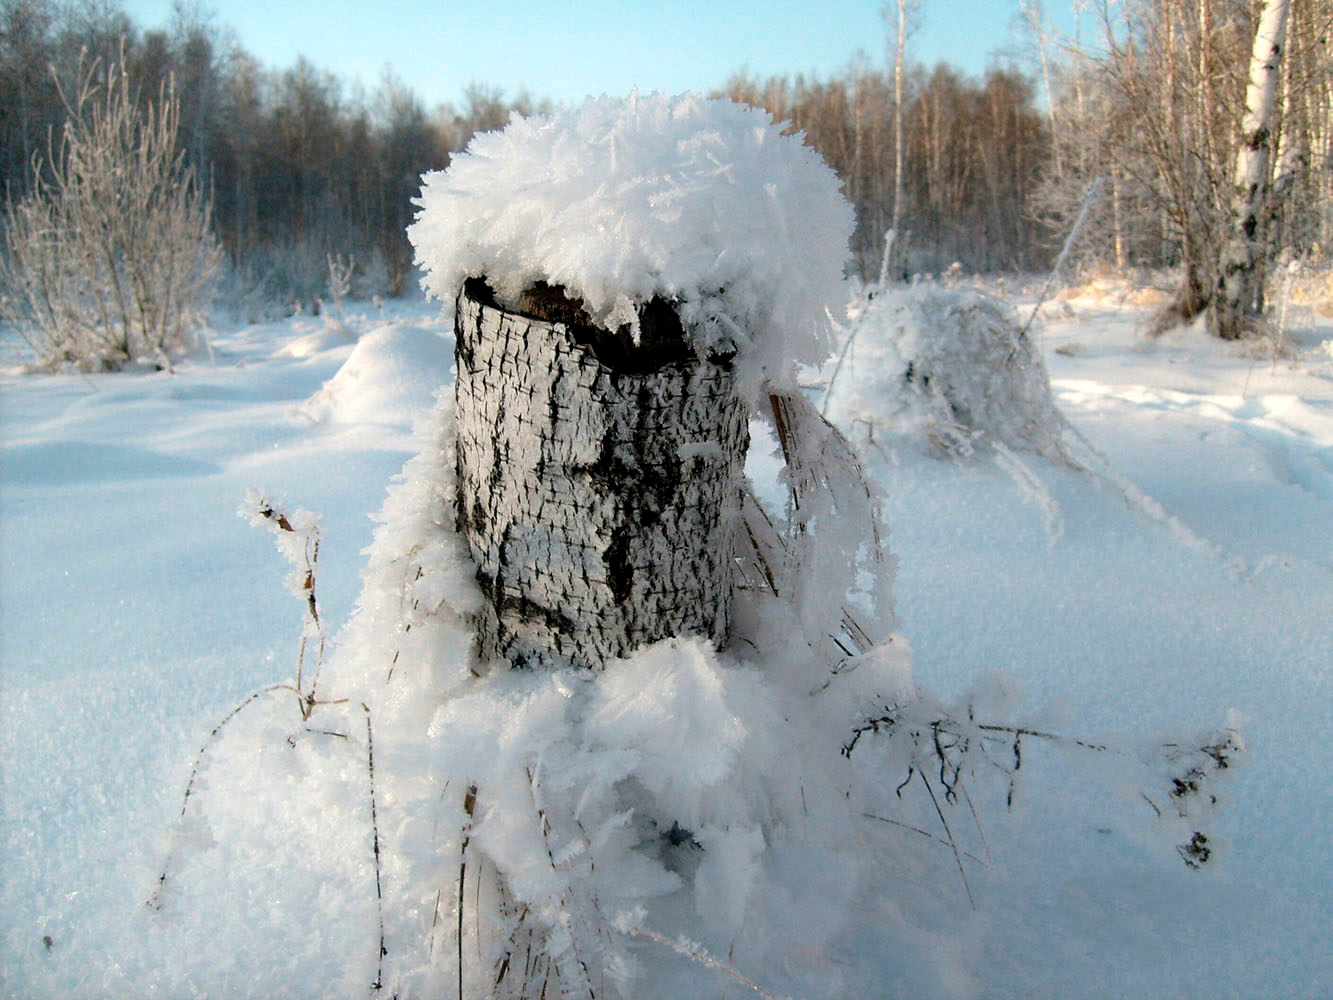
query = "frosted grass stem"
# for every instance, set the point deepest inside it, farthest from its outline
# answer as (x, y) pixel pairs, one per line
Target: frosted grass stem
(1092, 194)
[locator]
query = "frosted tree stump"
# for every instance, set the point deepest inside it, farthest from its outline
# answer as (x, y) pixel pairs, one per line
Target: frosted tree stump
(599, 478)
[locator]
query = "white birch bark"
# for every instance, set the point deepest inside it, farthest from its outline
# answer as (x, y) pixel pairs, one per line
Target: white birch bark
(598, 498)
(1239, 293)
(899, 154)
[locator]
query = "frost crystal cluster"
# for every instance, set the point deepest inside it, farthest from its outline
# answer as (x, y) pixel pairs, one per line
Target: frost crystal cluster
(542, 828)
(951, 365)
(703, 203)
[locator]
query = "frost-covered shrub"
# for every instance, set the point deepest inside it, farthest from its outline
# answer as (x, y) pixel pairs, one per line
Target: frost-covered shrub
(111, 257)
(951, 369)
(950, 365)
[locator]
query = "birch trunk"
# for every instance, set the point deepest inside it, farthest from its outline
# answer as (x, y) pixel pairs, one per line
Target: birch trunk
(899, 154)
(1239, 297)
(599, 479)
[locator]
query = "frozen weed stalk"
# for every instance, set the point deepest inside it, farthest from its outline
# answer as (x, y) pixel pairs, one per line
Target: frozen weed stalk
(628, 718)
(297, 537)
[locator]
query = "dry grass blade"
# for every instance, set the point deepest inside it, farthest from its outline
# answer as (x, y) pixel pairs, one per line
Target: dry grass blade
(924, 833)
(469, 809)
(378, 984)
(762, 552)
(696, 953)
(949, 836)
(820, 459)
(309, 539)
(155, 900)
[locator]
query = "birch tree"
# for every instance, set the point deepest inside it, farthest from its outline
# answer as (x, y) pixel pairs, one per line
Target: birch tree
(903, 9)
(1239, 296)
(1210, 118)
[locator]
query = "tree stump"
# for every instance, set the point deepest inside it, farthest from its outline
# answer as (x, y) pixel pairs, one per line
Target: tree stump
(599, 478)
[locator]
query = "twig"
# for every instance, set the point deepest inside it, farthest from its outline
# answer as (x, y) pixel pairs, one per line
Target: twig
(1055, 737)
(1091, 195)
(925, 833)
(469, 808)
(434, 921)
(545, 825)
(948, 833)
(842, 356)
(977, 819)
(310, 550)
(378, 984)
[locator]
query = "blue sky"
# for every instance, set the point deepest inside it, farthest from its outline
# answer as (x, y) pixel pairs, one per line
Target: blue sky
(571, 50)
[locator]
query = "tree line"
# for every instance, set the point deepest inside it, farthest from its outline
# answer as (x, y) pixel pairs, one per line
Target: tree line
(988, 173)
(299, 165)
(974, 154)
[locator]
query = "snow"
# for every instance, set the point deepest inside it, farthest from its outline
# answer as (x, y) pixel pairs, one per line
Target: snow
(392, 370)
(139, 611)
(705, 203)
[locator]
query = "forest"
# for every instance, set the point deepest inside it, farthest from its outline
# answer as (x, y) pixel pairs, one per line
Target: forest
(1141, 119)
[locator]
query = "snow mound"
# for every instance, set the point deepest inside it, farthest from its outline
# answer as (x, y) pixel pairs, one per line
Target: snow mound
(392, 374)
(704, 203)
(952, 369)
(951, 365)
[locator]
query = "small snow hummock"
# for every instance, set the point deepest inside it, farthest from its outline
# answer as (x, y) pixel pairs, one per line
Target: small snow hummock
(950, 366)
(702, 202)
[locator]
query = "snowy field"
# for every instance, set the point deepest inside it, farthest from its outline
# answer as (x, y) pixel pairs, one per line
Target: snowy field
(138, 609)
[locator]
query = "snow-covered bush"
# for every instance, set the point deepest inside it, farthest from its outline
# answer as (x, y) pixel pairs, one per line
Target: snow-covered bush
(952, 370)
(956, 369)
(111, 257)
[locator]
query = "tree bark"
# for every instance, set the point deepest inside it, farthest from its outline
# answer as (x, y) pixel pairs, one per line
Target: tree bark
(899, 154)
(1239, 297)
(599, 479)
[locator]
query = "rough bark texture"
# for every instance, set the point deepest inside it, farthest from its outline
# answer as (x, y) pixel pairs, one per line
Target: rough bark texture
(599, 480)
(1239, 297)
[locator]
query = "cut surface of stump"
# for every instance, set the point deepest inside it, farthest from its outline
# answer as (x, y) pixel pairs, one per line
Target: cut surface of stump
(599, 478)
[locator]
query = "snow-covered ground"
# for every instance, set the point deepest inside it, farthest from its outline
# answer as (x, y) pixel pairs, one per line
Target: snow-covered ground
(138, 609)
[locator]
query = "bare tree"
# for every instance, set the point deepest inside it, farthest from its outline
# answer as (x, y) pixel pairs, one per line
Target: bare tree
(1209, 142)
(27, 92)
(111, 256)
